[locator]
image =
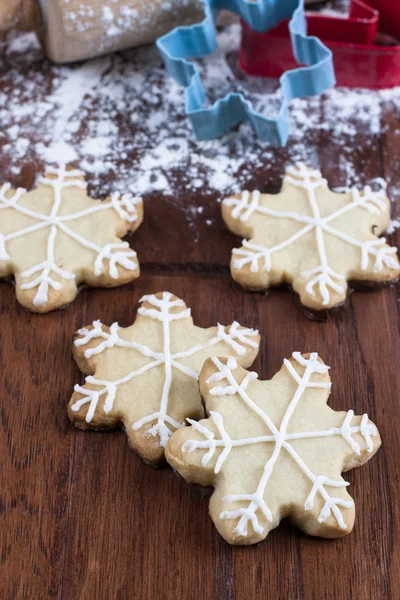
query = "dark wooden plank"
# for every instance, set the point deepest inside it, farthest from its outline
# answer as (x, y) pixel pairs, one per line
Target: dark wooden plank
(36, 447)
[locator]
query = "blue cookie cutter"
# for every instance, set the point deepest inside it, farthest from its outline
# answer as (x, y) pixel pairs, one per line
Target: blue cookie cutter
(198, 40)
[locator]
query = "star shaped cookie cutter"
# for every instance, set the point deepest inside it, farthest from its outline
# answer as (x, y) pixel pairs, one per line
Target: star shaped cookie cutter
(186, 43)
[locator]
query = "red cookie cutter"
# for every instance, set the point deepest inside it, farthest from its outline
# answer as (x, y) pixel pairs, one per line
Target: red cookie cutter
(360, 57)
(389, 15)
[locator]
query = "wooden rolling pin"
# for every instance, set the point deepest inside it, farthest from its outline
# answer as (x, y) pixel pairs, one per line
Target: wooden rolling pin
(72, 30)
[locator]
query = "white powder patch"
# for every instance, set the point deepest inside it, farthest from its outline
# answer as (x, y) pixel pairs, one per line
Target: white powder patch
(68, 97)
(107, 14)
(21, 146)
(58, 152)
(97, 147)
(23, 43)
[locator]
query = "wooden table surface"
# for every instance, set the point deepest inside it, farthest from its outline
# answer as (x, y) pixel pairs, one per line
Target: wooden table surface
(82, 517)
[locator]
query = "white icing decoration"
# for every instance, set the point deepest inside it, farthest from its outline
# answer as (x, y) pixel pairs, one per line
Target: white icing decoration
(234, 338)
(112, 253)
(3, 252)
(280, 438)
(125, 206)
(322, 276)
(116, 254)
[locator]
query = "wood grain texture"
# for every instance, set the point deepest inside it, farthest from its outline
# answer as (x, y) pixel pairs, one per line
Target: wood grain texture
(82, 517)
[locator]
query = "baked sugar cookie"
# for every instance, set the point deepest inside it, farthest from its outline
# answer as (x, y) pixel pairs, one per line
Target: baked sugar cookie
(312, 238)
(55, 237)
(273, 449)
(145, 377)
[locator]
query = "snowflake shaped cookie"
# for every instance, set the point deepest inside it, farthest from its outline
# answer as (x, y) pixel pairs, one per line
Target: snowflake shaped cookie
(312, 238)
(273, 449)
(146, 376)
(55, 237)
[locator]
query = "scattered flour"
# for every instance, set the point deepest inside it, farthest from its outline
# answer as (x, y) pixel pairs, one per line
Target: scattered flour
(123, 115)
